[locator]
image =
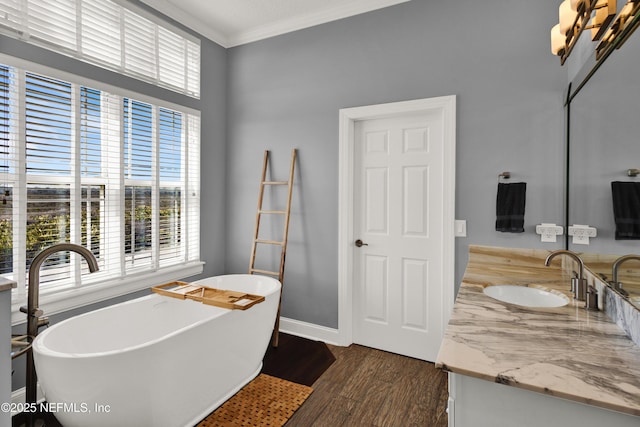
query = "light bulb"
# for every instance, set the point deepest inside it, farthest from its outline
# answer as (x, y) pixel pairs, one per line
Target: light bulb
(567, 16)
(557, 40)
(575, 4)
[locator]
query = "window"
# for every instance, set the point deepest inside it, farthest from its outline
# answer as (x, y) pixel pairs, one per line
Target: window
(103, 32)
(6, 226)
(116, 174)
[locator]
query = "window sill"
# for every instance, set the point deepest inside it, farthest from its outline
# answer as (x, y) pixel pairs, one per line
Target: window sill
(89, 294)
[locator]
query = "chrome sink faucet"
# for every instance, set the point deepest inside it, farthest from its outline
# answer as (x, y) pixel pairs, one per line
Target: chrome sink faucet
(34, 313)
(578, 286)
(614, 272)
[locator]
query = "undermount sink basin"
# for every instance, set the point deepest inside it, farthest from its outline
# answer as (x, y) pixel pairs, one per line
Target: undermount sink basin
(525, 296)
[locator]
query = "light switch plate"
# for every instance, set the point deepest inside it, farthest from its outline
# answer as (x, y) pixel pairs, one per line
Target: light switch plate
(460, 228)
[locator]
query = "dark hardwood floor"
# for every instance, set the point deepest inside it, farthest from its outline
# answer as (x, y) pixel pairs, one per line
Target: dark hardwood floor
(368, 387)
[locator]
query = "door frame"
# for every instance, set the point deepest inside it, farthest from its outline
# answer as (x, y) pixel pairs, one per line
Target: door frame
(348, 118)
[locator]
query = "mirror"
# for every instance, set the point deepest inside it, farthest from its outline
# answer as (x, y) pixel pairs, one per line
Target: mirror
(604, 141)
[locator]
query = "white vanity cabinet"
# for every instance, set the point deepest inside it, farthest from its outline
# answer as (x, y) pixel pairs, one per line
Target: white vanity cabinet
(517, 365)
(475, 402)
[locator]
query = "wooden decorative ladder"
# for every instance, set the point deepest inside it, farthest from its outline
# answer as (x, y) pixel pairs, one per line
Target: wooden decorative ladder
(282, 243)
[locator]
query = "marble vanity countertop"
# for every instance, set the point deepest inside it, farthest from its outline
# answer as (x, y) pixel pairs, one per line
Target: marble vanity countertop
(566, 352)
(6, 284)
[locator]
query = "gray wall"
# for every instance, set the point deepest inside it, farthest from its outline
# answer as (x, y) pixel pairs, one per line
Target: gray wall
(286, 91)
(212, 104)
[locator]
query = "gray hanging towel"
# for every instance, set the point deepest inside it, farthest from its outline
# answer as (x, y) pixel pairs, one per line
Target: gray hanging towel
(626, 209)
(510, 207)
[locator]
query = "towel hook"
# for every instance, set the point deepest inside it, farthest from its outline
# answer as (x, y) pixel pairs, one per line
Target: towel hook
(633, 172)
(504, 175)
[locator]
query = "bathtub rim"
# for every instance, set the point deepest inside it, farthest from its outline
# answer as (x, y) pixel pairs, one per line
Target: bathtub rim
(38, 347)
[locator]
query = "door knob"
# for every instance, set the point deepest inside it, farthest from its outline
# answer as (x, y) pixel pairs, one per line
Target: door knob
(359, 243)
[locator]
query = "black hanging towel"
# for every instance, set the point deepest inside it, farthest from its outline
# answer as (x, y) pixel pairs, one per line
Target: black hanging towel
(626, 209)
(510, 207)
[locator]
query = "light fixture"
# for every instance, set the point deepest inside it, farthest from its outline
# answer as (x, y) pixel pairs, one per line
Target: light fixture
(624, 25)
(557, 40)
(574, 17)
(566, 16)
(604, 14)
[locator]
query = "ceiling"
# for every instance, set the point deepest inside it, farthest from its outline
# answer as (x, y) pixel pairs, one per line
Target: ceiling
(235, 22)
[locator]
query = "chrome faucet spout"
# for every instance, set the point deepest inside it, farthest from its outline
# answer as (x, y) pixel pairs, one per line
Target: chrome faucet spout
(580, 289)
(616, 265)
(573, 255)
(33, 301)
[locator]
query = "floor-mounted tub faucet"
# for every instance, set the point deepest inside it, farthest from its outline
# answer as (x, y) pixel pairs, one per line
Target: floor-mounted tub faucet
(579, 285)
(614, 272)
(34, 313)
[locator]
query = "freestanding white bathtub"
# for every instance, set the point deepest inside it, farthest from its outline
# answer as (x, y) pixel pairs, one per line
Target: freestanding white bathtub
(155, 361)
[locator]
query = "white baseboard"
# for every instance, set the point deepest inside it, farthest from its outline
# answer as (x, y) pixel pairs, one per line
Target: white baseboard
(310, 331)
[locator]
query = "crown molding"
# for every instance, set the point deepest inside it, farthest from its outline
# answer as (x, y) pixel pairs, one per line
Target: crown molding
(269, 30)
(310, 20)
(188, 20)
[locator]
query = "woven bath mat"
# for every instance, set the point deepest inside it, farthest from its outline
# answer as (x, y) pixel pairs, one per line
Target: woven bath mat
(265, 401)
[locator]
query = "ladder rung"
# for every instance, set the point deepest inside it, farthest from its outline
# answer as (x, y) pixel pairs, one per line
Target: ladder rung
(275, 182)
(273, 212)
(269, 242)
(270, 273)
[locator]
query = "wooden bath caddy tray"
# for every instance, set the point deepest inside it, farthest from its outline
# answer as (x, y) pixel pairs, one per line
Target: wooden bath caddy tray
(219, 297)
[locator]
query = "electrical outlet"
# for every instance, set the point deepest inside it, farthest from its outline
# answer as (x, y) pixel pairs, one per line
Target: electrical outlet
(549, 232)
(582, 233)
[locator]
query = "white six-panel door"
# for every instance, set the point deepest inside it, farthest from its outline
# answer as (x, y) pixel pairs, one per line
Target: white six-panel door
(398, 199)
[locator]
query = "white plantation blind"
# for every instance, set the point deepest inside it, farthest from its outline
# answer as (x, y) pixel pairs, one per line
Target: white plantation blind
(53, 22)
(138, 140)
(10, 14)
(192, 198)
(48, 126)
(193, 67)
(101, 39)
(48, 133)
(100, 205)
(139, 45)
(139, 164)
(172, 51)
(6, 185)
(91, 132)
(170, 173)
(105, 33)
(80, 164)
(170, 135)
(4, 124)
